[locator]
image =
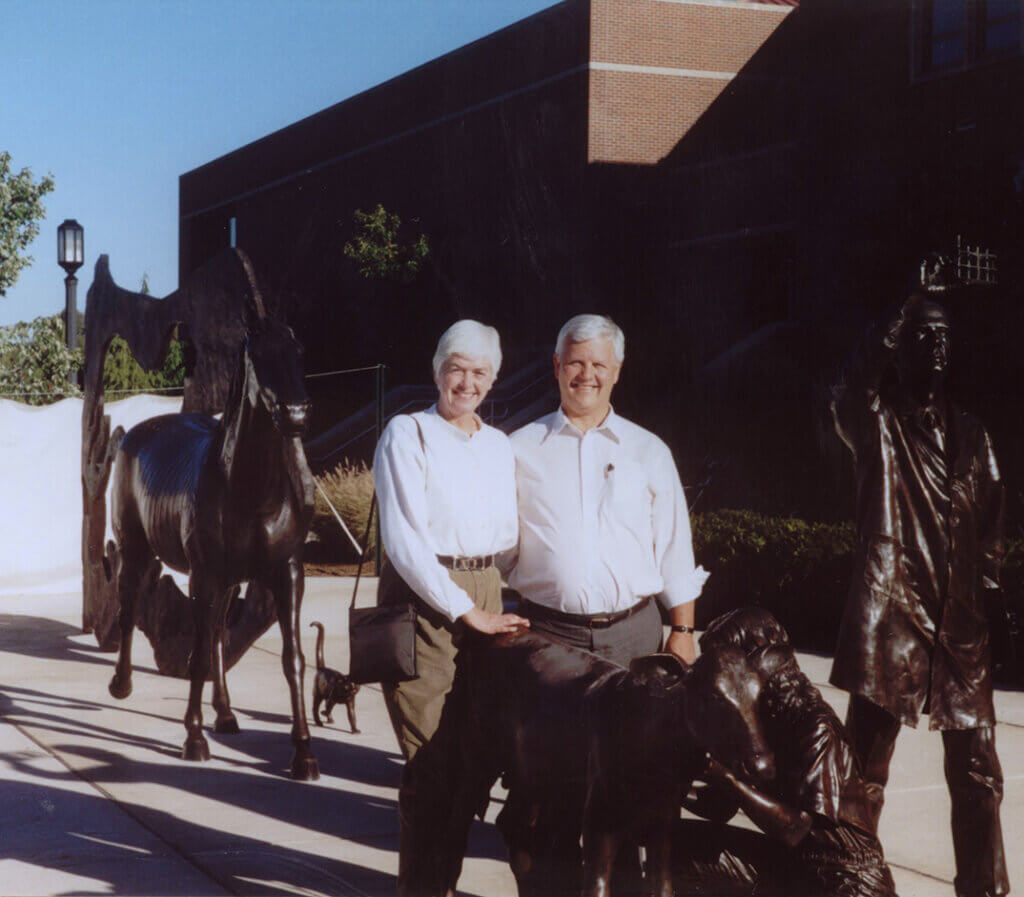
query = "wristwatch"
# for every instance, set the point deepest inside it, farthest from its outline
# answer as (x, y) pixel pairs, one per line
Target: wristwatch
(684, 629)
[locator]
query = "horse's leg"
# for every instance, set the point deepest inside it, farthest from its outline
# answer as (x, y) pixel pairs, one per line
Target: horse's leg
(226, 723)
(287, 587)
(202, 593)
(134, 557)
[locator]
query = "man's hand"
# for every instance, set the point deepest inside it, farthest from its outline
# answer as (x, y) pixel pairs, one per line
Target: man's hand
(494, 624)
(681, 644)
(773, 816)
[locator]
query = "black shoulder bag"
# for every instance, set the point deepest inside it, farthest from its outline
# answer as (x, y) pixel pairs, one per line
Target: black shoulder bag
(382, 639)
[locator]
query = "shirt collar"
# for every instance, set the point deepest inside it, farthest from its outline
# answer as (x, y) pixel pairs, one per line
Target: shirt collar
(611, 426)
(451, 428)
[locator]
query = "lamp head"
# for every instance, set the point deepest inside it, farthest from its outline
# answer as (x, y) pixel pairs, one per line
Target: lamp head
(70, 245)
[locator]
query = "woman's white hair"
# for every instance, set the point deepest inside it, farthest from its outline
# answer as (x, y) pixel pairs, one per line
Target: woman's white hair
(587, 327)
(472, 340)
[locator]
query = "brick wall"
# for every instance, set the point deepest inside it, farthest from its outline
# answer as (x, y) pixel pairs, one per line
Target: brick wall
(638, 116)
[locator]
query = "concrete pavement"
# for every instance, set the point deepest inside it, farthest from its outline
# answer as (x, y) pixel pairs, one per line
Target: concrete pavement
(97, 801)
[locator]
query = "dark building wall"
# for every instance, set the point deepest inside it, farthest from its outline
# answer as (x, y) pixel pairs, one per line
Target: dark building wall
(482, 150)
(743, 186)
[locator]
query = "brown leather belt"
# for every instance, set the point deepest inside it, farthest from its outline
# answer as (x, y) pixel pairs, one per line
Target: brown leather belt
(458, 563)
(590, 621)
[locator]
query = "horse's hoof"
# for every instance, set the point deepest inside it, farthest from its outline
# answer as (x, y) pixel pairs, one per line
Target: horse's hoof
(195, 749)
(226, 725)
(121, 687)
(305, 769)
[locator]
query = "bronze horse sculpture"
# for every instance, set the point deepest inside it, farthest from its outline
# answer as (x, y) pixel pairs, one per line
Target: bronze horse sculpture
(227, 502)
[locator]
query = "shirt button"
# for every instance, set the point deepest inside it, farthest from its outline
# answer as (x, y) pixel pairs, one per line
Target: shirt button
(954, 518)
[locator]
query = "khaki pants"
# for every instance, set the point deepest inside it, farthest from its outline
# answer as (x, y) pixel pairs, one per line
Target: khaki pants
(415, 706)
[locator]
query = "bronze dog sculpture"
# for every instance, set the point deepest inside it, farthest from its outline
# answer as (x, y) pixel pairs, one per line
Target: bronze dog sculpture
(586, 747)
(226, 501)
(331, 687)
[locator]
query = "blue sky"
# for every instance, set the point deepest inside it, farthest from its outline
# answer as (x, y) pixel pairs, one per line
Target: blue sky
(116, 99)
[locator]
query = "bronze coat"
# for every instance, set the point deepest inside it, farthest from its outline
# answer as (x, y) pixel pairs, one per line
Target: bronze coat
(914, 636)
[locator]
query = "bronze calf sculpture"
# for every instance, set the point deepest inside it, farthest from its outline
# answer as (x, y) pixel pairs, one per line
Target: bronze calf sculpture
(605, 752)
(226, 501)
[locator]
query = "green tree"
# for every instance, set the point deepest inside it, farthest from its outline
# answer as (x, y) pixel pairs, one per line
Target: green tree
(21, 210)
(36, 366)
(379, 249)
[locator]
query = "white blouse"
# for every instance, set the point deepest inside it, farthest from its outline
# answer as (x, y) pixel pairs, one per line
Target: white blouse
(449, 494)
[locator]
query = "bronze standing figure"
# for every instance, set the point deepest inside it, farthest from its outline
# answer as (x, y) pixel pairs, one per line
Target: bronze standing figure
(915, 637)
(226, 501)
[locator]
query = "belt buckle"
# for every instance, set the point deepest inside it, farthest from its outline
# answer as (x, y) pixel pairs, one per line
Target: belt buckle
(602, 622)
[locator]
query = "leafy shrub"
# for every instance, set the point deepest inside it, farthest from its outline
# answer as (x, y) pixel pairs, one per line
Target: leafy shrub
(350, 489)
(36, 367)
(800, 571)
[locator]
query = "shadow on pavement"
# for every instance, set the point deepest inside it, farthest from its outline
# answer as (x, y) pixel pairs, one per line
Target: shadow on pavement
(80, 835)
(317, 807)
(52, 640)
(53, 713)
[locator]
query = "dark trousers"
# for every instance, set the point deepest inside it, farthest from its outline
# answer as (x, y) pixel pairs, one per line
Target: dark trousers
(555, 866)
(620, 643)
(975, 781)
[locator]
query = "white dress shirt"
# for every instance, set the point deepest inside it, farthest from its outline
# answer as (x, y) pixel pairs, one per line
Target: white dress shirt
(453, 494)
(602, 518)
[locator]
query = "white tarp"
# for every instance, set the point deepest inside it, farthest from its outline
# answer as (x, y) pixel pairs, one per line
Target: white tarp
(41, 489)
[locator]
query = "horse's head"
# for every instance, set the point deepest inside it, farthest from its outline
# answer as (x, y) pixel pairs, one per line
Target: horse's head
(274, 375)
(719, 695)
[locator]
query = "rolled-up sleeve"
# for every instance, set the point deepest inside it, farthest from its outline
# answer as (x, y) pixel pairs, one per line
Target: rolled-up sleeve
(673, 540)
(399, 475)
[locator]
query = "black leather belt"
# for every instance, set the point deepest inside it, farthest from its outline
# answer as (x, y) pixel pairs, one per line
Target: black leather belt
(457, 563)
(590, 621)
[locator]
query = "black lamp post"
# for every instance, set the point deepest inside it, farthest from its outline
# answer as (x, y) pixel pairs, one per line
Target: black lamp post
(70, 255)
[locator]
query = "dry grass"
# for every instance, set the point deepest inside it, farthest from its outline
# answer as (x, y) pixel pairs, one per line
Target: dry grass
(350, 489)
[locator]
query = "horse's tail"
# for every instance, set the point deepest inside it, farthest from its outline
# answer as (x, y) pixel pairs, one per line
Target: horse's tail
(319, 644)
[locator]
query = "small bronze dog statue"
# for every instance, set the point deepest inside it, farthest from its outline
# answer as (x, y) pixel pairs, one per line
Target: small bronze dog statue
(331, 687)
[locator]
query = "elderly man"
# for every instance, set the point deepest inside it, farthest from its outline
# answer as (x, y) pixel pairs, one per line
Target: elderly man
(604, 528)
(915, 637)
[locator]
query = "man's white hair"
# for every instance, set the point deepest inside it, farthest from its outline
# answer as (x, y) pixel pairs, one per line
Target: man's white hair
(472, 340)
(585, 327)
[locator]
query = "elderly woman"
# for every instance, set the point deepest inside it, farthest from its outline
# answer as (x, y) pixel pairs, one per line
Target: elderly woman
(446, 488)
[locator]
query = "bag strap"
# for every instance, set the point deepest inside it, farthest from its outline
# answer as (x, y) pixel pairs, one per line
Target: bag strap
(369, 523)
(366, 543)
